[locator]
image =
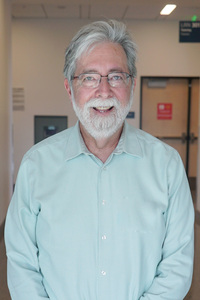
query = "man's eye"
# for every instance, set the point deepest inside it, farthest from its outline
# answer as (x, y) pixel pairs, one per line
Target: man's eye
(89, 78)
(116, 77)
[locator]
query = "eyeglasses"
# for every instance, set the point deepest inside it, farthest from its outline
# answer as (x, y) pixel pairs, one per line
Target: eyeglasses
(92, 80)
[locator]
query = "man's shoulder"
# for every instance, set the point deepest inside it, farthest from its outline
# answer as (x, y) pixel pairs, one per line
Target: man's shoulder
(141, 134)
(146, 137)
(149, 142)
(52, 143)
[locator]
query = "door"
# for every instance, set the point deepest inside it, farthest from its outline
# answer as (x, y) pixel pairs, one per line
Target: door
(194, 116)
(169, 111)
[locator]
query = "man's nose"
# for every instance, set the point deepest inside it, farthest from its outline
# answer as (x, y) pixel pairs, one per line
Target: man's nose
(104, 89)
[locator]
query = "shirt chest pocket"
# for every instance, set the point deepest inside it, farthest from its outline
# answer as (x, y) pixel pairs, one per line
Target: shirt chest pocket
(140, 218)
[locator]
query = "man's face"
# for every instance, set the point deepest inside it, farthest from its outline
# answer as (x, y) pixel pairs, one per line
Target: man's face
(103, 109)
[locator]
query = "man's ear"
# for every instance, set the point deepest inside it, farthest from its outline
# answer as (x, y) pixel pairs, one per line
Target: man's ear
(68, 88)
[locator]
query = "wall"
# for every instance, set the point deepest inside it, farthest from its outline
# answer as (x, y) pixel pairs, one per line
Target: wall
(198, 167)
(38, 57)
(5, 107)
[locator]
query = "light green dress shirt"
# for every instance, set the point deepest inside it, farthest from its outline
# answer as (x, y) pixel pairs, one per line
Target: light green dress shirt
(80, 229)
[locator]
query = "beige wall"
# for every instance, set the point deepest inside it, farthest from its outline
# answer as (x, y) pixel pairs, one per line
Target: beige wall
(38, 57)
(198, 164)
(5, 107)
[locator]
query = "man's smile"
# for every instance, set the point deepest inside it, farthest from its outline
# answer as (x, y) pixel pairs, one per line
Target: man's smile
(103, 109)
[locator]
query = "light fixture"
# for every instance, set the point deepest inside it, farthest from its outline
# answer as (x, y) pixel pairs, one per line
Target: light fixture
(167, 9)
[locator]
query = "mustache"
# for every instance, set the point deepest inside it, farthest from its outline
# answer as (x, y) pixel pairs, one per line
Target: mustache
(99, 102)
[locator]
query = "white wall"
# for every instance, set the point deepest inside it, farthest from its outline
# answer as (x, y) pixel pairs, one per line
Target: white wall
(38, 58)
(5, 107)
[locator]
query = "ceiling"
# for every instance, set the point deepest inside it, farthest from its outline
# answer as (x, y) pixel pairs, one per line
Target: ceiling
(96, 9)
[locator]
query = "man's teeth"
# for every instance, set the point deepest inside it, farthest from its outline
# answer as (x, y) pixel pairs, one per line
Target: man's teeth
(103, 108)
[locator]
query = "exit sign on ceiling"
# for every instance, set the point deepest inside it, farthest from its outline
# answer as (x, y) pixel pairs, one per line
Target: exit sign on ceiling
(189, 32)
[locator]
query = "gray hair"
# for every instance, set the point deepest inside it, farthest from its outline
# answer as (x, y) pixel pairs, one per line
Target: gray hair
(97, 32)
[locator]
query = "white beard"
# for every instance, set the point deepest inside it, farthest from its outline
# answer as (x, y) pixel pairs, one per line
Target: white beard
(100, 127)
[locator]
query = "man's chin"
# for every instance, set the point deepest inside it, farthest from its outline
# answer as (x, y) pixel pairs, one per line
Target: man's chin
(100, 126)
(102, 132)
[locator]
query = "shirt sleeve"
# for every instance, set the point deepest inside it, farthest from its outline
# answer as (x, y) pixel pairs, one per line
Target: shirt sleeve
(174, 272)
(24, 277)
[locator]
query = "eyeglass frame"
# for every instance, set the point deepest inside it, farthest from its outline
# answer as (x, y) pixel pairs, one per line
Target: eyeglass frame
(127, 74)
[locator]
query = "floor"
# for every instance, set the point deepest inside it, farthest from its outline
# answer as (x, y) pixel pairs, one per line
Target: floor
(194, 293)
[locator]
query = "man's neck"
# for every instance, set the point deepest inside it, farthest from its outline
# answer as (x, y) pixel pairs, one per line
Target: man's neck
(101, 148)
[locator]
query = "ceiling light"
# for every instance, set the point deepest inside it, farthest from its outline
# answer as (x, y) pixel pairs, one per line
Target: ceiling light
(168, 9)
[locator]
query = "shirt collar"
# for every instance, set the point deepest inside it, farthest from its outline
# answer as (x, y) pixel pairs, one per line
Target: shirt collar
(75, 144)
(128, 143)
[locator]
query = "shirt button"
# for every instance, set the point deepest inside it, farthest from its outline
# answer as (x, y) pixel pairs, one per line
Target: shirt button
(103, 273)
(103, 202)
(104, 237)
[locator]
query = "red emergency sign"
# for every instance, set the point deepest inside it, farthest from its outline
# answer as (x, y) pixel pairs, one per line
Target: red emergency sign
(164, 111)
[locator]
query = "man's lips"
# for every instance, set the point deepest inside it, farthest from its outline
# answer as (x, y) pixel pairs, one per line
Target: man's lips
(103, 109)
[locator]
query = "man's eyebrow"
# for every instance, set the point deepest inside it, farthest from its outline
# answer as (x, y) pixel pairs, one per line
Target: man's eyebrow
(88, 71)
(116, 70)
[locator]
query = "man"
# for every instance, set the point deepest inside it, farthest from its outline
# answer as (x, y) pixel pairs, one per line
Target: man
(101, 211)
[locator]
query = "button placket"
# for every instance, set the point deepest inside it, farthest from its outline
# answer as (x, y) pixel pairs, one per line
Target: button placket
(103, 202)
(103, 188)
(103, 273)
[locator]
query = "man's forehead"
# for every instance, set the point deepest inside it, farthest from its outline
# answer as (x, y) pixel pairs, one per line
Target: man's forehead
(103, 44)
(102, 54)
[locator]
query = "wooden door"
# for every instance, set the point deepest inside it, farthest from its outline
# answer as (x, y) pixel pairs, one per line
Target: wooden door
(194, 115)
(169, 111)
